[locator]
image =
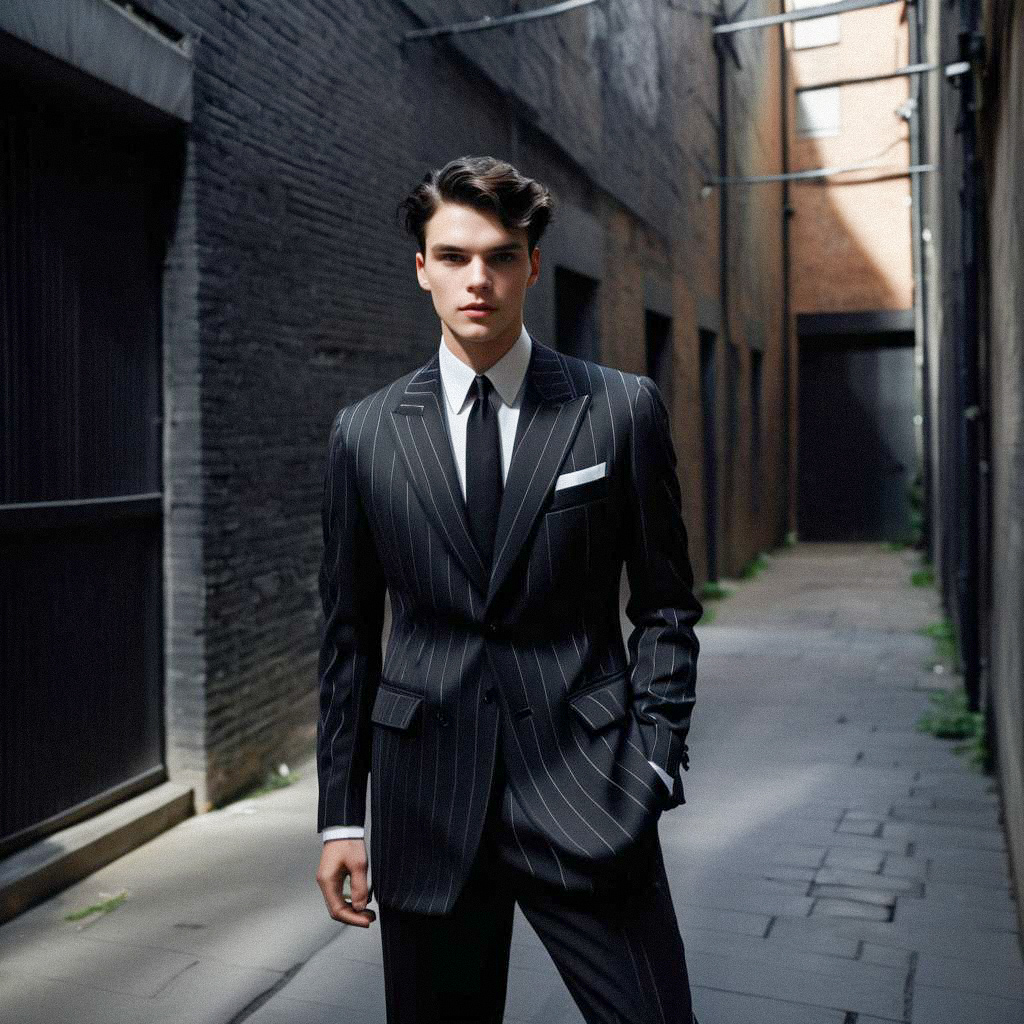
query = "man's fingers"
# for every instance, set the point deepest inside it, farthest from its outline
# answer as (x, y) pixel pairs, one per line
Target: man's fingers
(361, 919)
(360, 892)
(339, 908)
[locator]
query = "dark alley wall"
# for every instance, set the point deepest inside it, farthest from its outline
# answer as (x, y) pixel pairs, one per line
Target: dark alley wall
(974, 372)
(1003, 119)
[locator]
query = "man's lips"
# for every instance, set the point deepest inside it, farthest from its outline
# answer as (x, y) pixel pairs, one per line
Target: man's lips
(477, 309)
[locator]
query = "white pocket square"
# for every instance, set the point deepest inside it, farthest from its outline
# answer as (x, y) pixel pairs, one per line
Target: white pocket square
(581, 476)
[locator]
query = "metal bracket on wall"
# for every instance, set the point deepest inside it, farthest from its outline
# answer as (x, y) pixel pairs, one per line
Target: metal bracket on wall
(804, 14)
(820, 172)
(481, 24)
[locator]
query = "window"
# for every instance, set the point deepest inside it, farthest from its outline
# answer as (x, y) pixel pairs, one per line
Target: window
(817, 112)
(756, 389)
(817, 31)
(659, 353)
(577, 331)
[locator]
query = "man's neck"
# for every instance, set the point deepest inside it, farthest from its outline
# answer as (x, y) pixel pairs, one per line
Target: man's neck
(482, 356)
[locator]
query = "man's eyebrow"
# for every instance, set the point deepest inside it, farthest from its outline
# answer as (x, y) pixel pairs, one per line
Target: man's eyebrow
(442, 247)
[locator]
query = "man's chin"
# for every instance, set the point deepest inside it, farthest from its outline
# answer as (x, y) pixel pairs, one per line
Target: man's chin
(477, 334)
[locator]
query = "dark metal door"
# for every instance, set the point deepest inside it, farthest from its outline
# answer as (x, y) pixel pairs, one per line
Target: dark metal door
(856, 445)
(81, 252)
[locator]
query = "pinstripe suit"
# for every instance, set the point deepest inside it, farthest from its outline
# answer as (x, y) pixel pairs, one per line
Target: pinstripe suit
(521, 670)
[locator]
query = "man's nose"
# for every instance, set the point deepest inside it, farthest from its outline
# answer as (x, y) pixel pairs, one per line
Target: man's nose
(478, 275)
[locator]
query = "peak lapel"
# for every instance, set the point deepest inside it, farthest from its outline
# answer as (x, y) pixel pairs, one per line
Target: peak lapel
(422, 438)
(550, 416)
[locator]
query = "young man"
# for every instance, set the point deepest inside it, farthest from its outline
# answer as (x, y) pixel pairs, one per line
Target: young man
(515, 754)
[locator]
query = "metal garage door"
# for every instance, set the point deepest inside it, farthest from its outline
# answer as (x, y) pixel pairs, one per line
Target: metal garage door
(81, 252)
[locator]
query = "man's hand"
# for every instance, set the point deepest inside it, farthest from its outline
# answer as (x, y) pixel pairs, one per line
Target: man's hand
(341, 857)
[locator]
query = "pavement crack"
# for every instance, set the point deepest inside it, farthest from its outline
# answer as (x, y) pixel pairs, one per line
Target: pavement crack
(174, 977)
(267, 994)
(908, 989)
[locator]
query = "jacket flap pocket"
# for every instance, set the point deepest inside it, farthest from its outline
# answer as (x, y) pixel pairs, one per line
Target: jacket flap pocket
(599, 704)
(394, 707)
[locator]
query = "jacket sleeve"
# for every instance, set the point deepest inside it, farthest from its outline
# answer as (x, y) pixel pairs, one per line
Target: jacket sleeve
(352, 586)
(662, 607)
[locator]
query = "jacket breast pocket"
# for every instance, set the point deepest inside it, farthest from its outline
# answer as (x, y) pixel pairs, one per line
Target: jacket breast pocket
(394, 707)
(579, 494)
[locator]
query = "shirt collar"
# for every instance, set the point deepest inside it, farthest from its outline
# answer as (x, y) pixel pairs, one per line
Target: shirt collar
(506, 374)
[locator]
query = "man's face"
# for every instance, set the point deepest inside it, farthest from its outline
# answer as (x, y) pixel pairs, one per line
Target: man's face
(477, 272)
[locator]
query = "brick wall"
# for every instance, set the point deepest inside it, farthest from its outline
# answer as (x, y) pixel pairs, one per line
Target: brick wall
(851, 240)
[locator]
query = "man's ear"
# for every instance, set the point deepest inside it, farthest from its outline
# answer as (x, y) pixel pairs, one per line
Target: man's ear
(420, 272)
(534, 266)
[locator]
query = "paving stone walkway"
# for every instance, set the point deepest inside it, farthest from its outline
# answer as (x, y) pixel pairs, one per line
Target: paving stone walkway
(832, 865)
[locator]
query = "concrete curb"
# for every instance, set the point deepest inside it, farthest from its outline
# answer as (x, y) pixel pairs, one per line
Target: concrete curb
(65, 857)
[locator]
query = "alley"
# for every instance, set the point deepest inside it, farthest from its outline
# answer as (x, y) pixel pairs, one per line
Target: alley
(832, 865)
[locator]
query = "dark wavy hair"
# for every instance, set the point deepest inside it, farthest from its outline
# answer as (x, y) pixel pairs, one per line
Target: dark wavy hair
(486, 184)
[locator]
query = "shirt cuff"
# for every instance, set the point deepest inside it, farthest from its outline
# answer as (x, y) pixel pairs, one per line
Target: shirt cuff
(343, 832)
(665, 777)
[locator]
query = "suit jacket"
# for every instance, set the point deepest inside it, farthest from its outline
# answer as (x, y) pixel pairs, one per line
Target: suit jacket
(525, 661)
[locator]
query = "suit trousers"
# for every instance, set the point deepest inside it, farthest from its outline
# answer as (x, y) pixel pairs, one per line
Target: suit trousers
(618, 949)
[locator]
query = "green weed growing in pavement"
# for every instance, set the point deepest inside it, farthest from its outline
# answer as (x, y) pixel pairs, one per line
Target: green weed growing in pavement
(946, 648)
(950, 718)
(713, 591)
(105, 907)
(976, 749)
(276, 779)
(923, 577)
(756, 565)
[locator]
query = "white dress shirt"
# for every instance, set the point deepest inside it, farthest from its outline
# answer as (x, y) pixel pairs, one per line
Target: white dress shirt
(507, 375)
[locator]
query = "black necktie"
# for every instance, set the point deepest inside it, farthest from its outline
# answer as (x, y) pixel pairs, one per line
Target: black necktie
(483, 469)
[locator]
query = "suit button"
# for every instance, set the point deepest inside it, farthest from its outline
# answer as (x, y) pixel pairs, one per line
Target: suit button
(488, 694)
(442, 718)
